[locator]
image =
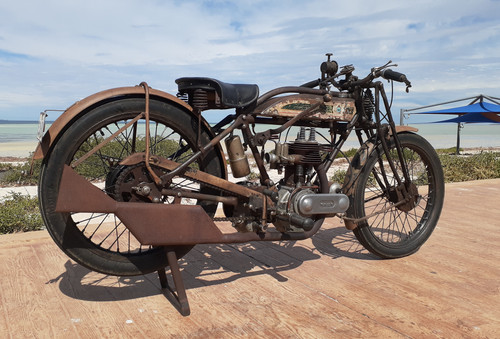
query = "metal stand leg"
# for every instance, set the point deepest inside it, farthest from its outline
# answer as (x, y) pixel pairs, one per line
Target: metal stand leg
(180, 300)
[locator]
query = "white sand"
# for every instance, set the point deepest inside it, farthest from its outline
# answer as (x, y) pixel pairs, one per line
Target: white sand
(24, 190)
(20, 149)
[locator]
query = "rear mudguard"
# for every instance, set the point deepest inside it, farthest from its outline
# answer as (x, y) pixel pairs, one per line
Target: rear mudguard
(83, 106)
(357, 164)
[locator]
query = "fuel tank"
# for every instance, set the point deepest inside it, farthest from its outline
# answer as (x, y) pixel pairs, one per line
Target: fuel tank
(341, 107)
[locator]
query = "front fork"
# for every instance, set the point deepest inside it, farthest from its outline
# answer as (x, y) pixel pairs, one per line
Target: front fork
(384, 132)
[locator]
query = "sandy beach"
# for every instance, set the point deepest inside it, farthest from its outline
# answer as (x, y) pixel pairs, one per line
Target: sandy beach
(17, 153)
(19, 149)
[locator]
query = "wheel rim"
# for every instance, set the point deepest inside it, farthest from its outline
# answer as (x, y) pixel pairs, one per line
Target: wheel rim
(104, 230)
(391, 224)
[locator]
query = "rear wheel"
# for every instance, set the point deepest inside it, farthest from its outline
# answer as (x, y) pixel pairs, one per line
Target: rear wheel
(388, 226)
(99, 241)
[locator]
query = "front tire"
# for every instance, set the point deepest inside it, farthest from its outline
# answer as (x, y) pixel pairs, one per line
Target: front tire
(389, 229)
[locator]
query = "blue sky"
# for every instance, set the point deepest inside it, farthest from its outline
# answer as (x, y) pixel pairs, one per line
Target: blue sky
(53, 53)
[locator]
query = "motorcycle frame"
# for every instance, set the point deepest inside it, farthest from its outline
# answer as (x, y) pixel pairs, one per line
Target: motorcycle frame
(242, 120)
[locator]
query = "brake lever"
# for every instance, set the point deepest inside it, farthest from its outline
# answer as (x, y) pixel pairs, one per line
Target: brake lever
(378, 69)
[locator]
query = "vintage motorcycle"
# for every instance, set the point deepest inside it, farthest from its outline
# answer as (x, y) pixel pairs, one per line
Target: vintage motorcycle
(132, 178)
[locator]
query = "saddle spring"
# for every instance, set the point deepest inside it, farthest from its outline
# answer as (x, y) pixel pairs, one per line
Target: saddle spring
(369, 104)
(199, 100)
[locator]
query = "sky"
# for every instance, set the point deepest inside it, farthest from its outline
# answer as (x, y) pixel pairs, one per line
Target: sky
(53, 53)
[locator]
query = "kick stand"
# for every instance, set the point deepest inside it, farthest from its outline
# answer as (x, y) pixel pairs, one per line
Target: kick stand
(180, 300)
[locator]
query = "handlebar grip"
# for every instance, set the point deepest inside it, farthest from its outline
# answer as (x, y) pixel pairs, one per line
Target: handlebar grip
(389, 74)
(311, 84)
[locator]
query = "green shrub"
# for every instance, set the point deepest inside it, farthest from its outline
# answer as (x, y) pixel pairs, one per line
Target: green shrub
(19, 213)
(338, 177)
(253, 176)
(485, 165)
(21, 174)
(348, 154)
(451, 150)
(98, 165)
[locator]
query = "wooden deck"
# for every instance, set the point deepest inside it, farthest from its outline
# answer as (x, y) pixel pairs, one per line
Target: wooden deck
(324, 287)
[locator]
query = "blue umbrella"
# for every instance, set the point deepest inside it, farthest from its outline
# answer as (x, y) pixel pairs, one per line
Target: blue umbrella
(479, 107)
(476, 112)
(475, 118)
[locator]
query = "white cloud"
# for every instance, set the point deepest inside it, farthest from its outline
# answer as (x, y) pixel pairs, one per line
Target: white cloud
(62, 50)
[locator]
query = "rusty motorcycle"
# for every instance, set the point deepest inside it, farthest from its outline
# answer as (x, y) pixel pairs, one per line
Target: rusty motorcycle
(132, 178)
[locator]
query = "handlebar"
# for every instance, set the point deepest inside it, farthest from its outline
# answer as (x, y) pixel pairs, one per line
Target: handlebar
(383, 72)
(352, 81)
(389, 74)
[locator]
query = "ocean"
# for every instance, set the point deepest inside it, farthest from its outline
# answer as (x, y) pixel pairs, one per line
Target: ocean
(19, 139)
(15, 131)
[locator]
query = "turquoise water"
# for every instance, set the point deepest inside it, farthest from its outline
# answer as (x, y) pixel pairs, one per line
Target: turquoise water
(471, 135)
(18, 132)
(439, 135)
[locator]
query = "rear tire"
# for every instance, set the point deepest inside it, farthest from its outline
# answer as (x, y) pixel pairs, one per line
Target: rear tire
(112, 249)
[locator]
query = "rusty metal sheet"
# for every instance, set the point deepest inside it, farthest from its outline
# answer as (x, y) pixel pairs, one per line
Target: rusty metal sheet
(82, 105)
(78, 195)
(163, 224)
(151, 224)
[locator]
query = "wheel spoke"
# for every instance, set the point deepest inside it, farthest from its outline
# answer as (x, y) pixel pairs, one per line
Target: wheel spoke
(97, 144)
(106, 230)
(395, 217)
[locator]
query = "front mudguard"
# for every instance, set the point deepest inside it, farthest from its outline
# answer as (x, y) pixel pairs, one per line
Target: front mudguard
(80, 108)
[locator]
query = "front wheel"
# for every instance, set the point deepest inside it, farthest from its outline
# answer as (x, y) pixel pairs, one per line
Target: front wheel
(387, 226)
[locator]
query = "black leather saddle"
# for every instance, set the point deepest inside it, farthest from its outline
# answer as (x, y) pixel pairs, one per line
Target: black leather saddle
(231, 95)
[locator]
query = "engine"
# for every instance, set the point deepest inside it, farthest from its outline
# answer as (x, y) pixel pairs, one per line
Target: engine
(297, 203)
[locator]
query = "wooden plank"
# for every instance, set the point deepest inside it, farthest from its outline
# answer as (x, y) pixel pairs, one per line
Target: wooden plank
(24, 295)
(282, 308)
(323, 287)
